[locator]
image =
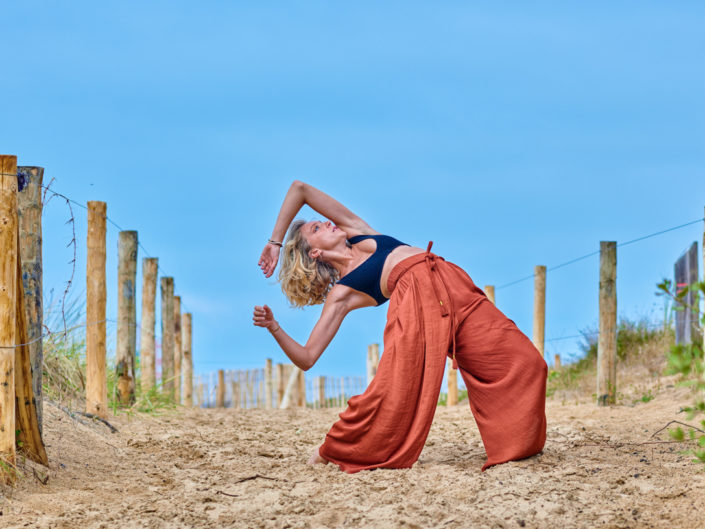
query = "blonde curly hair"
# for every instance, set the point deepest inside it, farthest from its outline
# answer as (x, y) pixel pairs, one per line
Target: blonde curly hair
(304, 281)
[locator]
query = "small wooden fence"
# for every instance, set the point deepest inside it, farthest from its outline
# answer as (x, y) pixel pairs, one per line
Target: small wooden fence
(255, 389)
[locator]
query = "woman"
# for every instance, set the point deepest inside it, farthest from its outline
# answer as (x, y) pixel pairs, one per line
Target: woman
(435, 311)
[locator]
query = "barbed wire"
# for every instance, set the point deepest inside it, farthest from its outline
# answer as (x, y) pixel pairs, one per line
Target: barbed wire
(115, 224)
(575, 260)
(22, 180)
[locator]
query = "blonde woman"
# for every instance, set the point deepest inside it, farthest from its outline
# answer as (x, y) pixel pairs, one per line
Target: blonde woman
(435, 311)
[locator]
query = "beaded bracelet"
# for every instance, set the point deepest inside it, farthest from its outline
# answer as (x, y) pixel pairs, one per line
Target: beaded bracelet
(276, 243)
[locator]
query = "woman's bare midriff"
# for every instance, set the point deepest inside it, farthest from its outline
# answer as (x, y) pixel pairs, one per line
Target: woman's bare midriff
(395, 257)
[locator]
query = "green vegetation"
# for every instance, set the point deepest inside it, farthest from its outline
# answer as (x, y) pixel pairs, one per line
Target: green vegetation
(640, 342)
(64, 376)
(687, 361)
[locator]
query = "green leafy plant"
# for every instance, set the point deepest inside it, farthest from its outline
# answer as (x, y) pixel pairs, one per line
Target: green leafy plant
(687, 361)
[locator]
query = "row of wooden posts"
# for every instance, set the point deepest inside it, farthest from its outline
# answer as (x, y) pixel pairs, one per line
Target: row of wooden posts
(21, 317)
(176, 327)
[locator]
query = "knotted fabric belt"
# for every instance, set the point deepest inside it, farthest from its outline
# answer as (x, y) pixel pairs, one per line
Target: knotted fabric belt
(446, 306)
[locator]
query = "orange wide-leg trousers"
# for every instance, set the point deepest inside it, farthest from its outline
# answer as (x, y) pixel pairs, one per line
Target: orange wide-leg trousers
(435, 311)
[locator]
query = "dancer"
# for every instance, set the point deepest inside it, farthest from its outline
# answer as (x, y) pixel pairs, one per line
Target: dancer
(435, 310)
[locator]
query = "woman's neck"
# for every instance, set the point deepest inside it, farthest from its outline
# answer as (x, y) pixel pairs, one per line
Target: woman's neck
(343, 259)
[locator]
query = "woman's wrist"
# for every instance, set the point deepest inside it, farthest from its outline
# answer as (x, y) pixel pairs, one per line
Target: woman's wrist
(275, 243)
(274, 327)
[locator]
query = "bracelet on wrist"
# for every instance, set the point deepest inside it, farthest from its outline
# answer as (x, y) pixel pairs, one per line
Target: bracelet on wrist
(275, 330)
(275, 243)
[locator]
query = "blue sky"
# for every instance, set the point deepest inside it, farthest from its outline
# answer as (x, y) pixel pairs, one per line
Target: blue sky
(509, 134)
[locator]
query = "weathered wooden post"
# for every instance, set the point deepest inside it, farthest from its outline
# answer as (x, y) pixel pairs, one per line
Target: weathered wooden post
(96, 380)
(607, 340)
(342, 392)
(167, 291)
(220, 392)
(29, 209)
(177, 348)
(539, 308)
(236, 391)
(280, 382)
(557, 362)
(321, 392)
(372, 361)
(703, 248)
(8, 304)
(452, 384)
(268, 383)
(127, 317)
(147, 339)
(251, 387)
(302, 387)
(489, 292)
(186, 344)
(293, 393)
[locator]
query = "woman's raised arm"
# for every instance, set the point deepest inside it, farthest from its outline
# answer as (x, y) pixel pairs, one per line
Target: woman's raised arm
(299, 194)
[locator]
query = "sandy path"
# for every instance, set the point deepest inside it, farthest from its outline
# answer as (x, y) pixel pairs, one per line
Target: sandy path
(191, 470)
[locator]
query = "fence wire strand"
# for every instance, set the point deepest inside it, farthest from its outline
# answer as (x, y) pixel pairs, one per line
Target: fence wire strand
(619, 245)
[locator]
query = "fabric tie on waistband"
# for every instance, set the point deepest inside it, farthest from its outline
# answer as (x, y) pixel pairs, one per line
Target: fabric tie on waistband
(447, 307)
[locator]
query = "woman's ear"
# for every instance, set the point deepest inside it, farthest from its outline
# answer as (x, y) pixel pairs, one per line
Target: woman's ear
(315, 253)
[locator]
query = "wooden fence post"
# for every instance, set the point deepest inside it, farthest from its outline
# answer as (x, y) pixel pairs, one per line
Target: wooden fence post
(220, 392)
(280, 382)
(342, 392)
(607, 340)
(167, 291)
(372, 361)
(29, 209)
(147, 339)
(236, 392)
(293, 392)
(557, 362)
(177, 349)
(127, 317)
(703, 248)
(96, 380)
(8, 305)
(321, 392)
(539, 308)
(489, 292)
(268, 383)
(186, 344)
(452, 384)
(302, 387)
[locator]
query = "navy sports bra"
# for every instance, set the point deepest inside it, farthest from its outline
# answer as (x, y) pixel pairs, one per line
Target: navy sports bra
(366, 277)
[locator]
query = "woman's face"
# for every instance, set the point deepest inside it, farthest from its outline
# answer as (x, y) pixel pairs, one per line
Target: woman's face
(323, 235)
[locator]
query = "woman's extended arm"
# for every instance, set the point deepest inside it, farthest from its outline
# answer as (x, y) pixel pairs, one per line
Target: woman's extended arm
(304, 357)
(299, 194)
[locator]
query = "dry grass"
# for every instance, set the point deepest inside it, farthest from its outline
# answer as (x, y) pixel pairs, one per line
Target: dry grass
(641, 350)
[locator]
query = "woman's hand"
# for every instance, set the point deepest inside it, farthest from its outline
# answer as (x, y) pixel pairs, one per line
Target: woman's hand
(269, 258)
(263, 317)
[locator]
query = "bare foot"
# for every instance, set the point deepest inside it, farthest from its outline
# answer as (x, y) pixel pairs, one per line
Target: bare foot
(317, 459)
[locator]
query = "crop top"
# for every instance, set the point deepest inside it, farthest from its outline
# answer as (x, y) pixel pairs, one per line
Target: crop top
(366, 277)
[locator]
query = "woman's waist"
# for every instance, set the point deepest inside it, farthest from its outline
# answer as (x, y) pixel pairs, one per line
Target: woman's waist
(407, 263)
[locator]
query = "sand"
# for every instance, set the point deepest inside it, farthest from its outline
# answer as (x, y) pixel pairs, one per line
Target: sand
(238, 468)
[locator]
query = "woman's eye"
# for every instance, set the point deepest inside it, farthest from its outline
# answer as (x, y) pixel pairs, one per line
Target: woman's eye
(315, 229)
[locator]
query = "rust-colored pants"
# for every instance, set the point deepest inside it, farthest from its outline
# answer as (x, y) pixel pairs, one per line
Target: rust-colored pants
(435, 309)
